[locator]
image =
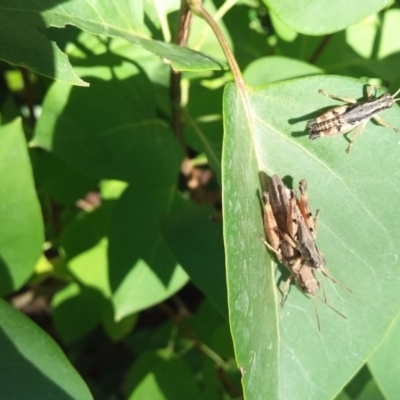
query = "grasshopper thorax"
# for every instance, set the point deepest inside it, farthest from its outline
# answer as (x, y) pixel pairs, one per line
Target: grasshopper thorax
(312, 256)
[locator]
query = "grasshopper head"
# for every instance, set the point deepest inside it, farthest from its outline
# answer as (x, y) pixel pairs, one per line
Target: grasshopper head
(388, 99)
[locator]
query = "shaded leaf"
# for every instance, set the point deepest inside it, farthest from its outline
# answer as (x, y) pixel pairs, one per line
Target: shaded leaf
(143, 270)
(384, 363)
(21, 222)
(24, 43)
(204, 129)
(117, 330)
(357, 385)
(77, 310)
(65, 185)
(85, 243)
(196, 242)
(155, 377)
(34, 366)
(109, 130)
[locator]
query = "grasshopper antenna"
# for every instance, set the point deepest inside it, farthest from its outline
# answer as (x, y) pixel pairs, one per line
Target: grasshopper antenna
(396, 95)
(316, 313)
(332, 308)
(323, 289)
(328, 275)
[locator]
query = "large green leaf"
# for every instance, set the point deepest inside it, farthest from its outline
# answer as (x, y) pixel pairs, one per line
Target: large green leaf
(23, 42)
(33, 365)
(85, 243)
(156, 377)
(76, 311)
(109, 130)
(276, 68)
(196, 242)
(21, 228)
(281, 352)
(64, 184)
(143, 271)
(319, 17)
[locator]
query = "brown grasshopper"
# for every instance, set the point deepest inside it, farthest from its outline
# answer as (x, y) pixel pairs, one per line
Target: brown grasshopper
(342, 119)
(291, 231)
(287, 255)
(290, 256)
(295, 221)
(302, 227)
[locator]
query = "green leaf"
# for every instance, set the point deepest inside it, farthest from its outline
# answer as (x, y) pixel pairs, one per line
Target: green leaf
(143, 271)
(61, 182)
(371, 392)
(384, 363)
(356, 52)
(125, 259)
(24, 43)
(195, 240)
(154, 377)
(362, 36)
(358, 235)
(85, 243)
(117, 330)
(21, 229)
(34, 366)
(77, 310)
(319, 17)
(109, 130)
(357, 386)
(275, 68)
(212, 329)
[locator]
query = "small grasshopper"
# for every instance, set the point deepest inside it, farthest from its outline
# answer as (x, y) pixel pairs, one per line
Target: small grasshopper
(342, 119)
(303, 232)
(287, 255)
(291, 231)
(295, 221)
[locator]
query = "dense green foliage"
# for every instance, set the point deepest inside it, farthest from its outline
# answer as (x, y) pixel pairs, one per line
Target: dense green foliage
(113, 175)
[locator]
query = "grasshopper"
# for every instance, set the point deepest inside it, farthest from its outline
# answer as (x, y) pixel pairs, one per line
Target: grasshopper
(287, 255)
(295, 221)
(303, 232)
(291, 232)
(342, 119)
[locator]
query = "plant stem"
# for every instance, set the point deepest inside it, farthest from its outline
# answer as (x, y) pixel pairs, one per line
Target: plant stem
(198, 9)
(175, 77)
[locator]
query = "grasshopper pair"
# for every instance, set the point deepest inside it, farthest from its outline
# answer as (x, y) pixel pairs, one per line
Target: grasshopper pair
(342, 119)
(291, 231)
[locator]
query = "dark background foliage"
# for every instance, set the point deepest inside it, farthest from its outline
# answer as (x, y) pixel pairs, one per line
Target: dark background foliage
(130, 200)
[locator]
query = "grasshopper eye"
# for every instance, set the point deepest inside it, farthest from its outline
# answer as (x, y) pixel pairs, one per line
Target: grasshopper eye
(318, 262)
